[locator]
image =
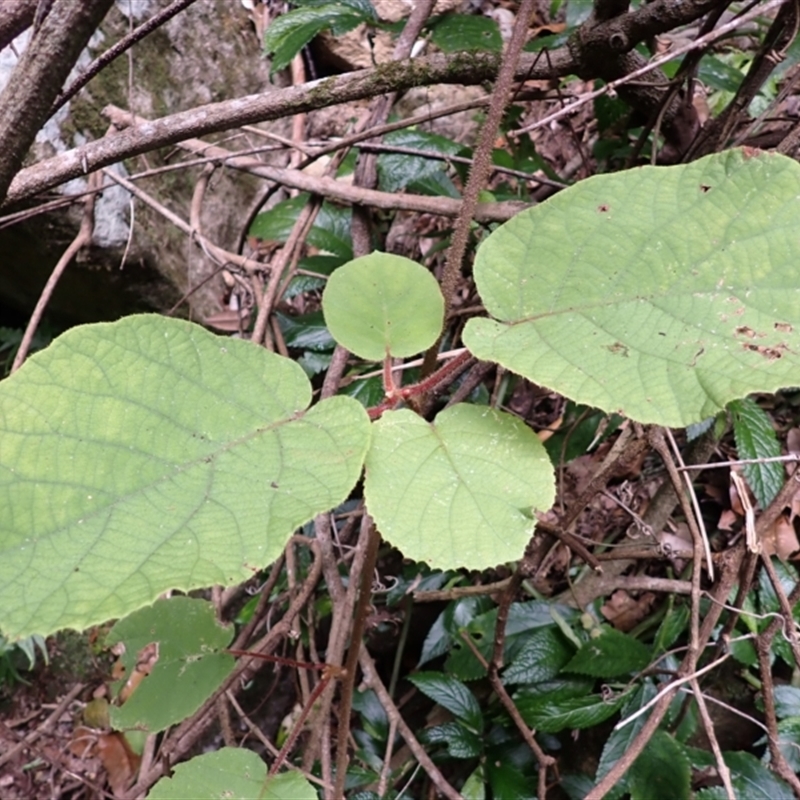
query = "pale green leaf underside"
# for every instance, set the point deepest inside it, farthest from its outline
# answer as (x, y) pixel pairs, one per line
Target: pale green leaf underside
(149, 454)
(459, 492)
(661, 292)
(380, 304)
(233, 773)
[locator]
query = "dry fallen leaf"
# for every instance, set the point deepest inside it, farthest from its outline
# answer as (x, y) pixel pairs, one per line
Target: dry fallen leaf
(780, 539)
(113, 751)
(625, 612)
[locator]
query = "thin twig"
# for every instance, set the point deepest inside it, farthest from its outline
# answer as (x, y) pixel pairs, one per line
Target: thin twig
(698, 517)
(791, 457)
(672, 54)
(544, 760)
(46, 726)
(118, 49)
(708, 727)
(337, 190)
(81, 240)
(297, 236)
(373, 681)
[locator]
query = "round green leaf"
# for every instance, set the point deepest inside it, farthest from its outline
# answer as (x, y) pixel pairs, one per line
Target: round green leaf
(661, 293)
(459, 492)
(149, 454)
(383, 304)
(233, 773)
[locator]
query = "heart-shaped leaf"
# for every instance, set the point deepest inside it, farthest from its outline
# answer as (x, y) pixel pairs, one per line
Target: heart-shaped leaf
(459, 492)
(661, 293)
(383, 304)
(149, 454)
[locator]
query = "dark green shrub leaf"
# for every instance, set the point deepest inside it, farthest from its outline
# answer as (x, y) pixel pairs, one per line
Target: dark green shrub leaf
(506, 780)
(454, 32)
(662, 771)
(543, 654)
(620, 739)
(288, 34)
(459, 492)
(610, 654)
(673, 624)
(755, 438)
(787, 701)
(753, 780)
(189, 666)
(330, 231)
(373, 714)
(660, 293)
(461, 742)
(451, 694)
(396, 171)
(551, 714)
(522, 617)
(716, 74)
(445, 630)
(306, 332)
(149, 454)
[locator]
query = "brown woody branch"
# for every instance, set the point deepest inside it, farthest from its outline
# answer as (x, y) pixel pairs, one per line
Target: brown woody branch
(53, 50)
(597, 50)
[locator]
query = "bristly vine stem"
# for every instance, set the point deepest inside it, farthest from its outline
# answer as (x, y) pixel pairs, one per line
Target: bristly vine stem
(481, 166)
(433, 383)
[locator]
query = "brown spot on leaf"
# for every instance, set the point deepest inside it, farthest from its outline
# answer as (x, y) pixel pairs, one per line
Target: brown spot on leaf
(783, 327)
(745, 330)
(704, 188)
(770, 353)
(696, 356)
(603, 208)
(618, 349)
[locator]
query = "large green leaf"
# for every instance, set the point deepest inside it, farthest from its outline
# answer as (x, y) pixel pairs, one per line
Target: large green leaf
(233, 773)
(149, 454)
(383, 304)
(459, 492)
(190, 661)
(661, 293)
